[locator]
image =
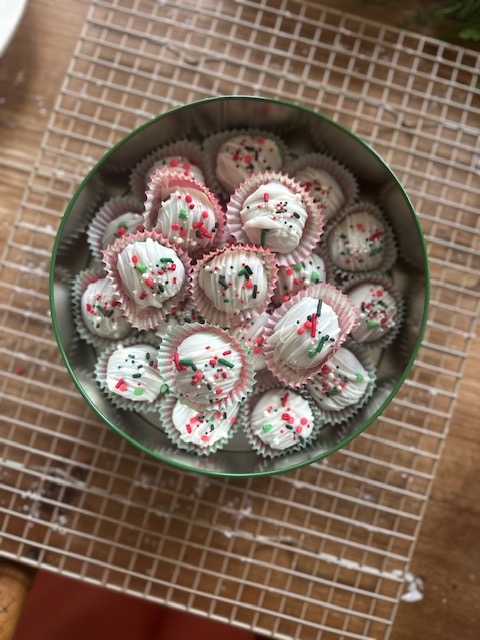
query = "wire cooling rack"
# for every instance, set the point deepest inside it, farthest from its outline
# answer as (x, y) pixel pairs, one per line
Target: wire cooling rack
(318, 553)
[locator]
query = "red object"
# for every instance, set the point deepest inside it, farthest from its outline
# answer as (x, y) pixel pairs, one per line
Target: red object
(59, 608)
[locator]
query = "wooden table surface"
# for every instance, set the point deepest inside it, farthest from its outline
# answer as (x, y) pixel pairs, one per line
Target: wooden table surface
(447, 554)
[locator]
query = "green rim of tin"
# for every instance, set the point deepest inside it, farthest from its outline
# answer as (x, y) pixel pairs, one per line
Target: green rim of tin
(348, 438)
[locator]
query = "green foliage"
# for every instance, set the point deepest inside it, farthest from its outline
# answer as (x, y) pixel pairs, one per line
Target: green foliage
(460, 18)
(452, 18)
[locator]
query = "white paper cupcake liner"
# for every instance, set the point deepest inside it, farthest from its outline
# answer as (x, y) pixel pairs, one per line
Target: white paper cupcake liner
(79, 285)
(169, 364)
(262, 448)
(222, 318)
(161, 186)
(100, 375)
(250, 335)
(166, 410)
(211, 147)
(346, 313)
(184, 313)
(323, 162)
(90, 202)
(360, 160)
(312, 230)
(390, 248)
(380, 279)
(139, 178)
(290, 282)
(345, 413)
(330, 275)
(109, 211)
(144, 318)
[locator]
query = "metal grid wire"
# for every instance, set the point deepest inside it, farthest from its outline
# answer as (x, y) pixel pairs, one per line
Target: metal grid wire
(316, 553)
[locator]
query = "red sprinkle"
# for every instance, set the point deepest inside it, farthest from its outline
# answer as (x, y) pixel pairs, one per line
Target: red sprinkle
(176, 360)
(265, 197)
(204, 214)
(175, 226)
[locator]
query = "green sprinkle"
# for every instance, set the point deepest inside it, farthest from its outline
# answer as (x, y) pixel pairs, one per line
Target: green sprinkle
(263, 237)
(226, 300)
(101, 309)
(110, 314)
(375, 251)
(138, 391)
(254, 293)
(188, 363)
(359, 377)
(313, 352)
(248, 270)
(297, 215)
(319, 308)
(242, 272)
(166, 260)
(137, 375)
(267, 427)
(299, 266)
(371, 324)
(222, 281)
(141, 268)
(164, 388)
(333, 392)
(314, 277)
(183, 213)
(226, 363)
(323, 339)
(161, 288)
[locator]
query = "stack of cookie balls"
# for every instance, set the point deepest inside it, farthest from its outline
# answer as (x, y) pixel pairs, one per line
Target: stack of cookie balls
(237, 288)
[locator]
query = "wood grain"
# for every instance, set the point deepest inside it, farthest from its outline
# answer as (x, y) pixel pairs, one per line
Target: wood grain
(15, 583)
(446, 555)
